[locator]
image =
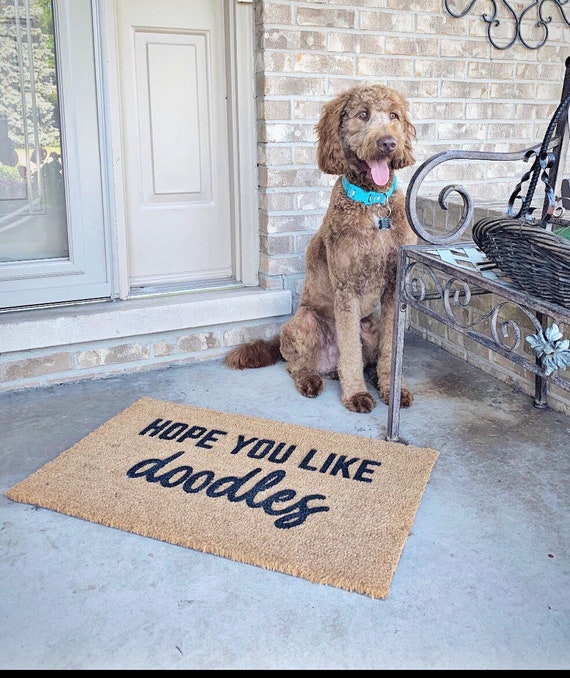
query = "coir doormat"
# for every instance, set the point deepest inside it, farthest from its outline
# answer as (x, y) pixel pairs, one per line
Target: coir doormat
(328, 507)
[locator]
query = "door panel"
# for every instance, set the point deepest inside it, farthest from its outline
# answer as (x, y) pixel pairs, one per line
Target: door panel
(175, 140)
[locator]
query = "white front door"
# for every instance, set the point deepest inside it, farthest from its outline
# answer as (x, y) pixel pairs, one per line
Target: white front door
(174, 127)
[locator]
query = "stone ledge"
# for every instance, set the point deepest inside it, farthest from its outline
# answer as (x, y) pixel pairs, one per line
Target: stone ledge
(87, 323)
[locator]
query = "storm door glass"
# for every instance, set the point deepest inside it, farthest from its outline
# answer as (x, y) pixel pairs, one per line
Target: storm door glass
(33, 223)
(54, 180)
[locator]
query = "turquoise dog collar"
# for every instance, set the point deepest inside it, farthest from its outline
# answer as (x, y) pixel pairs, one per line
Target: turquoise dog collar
(367, 197)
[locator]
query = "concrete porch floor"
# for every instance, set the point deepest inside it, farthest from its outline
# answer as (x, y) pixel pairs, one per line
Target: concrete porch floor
(483, 581)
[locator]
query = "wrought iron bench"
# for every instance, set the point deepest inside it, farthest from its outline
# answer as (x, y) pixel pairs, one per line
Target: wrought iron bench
(510, 273)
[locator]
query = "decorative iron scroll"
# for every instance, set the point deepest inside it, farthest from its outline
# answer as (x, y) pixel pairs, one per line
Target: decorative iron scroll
(422, 284)
(496, 329)
(538, 20)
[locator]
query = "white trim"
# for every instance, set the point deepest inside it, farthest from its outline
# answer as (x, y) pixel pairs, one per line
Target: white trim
(109, 30)
(240, 43)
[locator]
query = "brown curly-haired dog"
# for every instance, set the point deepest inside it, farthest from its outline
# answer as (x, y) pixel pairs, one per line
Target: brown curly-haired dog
(344, 320)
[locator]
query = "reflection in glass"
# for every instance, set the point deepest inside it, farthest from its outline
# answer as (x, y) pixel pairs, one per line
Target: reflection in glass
(33, 222)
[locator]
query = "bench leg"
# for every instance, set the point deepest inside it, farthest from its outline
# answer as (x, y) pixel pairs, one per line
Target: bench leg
(393, 424)
(540, 382)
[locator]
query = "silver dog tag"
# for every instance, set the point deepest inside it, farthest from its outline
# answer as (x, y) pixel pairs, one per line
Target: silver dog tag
(384, 222)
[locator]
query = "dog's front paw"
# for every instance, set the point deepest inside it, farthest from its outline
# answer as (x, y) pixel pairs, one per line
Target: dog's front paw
(406, 397)
(360, 402)
(310, 385)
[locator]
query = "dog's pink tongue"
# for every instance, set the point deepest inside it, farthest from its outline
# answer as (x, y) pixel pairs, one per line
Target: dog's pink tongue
(380, 171)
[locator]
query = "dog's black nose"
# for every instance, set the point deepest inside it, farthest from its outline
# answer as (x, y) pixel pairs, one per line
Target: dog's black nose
(386, 145)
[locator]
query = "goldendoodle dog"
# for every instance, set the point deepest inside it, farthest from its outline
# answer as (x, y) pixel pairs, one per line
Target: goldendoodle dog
(344, 321)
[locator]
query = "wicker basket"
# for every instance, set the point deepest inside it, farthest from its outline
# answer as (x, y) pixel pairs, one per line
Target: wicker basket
(536, 260)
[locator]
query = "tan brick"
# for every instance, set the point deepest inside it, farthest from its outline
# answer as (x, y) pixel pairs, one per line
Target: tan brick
(439, 110)
(361, 3)
(325, 18)
(471, 90)
(280, 39)
(490, 70)
(516, 130)
(191, 343)
(461, 130)
(242, 334)
(533, 111)
(312, 40)
(312, 200)
(278, 62)
(199, 341)
(274, 155)
(439, 25)
(274, 12)
(382, 67)
(293, 85)
(112, 355)
(277, 244)
(289, 223)
(271, 283)
(308, 110)
(165, 347)
(554, 70)
(387, 21)
(28, 368)
(423, 321)
(306, 155)
(416, 6)
(524, 71)
(291, 177)
(548, 92)
(335, 64)
(302, 242)
(281, 265)
(474, 348)
(269, 109)
(489, 110)
(355, 43)
(439, 68)
(297, 286)
(470, 49)
(285, 132)
(510, 367)
(411, 45)
(277, 202)
(514, 91)
(416, 88)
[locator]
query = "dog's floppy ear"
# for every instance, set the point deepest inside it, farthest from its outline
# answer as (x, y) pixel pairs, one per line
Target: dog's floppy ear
(330, 154)
(407, 158)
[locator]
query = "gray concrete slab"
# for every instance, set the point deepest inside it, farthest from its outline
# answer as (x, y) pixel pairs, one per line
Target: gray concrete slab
(483, 581)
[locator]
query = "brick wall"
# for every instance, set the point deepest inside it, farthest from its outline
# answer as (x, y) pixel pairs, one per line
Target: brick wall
(464, 93)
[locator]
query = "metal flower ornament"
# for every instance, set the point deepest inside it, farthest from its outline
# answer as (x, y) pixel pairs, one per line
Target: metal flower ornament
(551, 348)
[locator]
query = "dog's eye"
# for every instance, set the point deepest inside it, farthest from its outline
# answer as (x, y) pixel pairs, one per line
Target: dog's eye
(363, 115)
(394, 116)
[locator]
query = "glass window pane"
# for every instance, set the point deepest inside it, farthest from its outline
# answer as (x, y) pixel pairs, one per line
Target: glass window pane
(33, 223)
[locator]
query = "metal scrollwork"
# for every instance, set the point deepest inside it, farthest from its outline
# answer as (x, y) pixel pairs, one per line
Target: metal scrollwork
(422, 285)
(538, 19)
(508, 328)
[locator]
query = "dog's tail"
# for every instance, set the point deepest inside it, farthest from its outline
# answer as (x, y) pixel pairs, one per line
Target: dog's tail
(258, 353)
